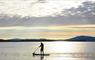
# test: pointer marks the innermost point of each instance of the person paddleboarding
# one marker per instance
(41, 51)
(41, 48)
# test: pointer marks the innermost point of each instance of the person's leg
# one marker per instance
(41, 52)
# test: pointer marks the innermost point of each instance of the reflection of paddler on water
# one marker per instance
(41, 50)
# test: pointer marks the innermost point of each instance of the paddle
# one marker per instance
(35, 50)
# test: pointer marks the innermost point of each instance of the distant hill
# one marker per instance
(82, 38)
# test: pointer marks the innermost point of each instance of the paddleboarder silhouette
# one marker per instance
(41, 48)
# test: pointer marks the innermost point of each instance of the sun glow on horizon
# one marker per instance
(49, 32)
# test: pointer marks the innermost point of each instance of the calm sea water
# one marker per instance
(57, 51)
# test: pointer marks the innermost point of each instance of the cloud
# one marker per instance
(83, 14)
(35, 8)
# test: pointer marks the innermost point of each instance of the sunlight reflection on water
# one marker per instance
(57, 50)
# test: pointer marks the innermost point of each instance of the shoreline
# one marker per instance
(40, 40)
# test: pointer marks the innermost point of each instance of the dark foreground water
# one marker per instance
(57, 51)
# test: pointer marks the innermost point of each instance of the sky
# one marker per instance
(46, 18)
(36, 8)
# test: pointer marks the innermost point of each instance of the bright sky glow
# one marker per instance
(36, 8)
(53, 32)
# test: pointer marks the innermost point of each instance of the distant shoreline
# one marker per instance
(39, 40)
(29, 40)
(74, 39)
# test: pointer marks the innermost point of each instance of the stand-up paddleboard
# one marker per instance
(35, 54)
(41, 50)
